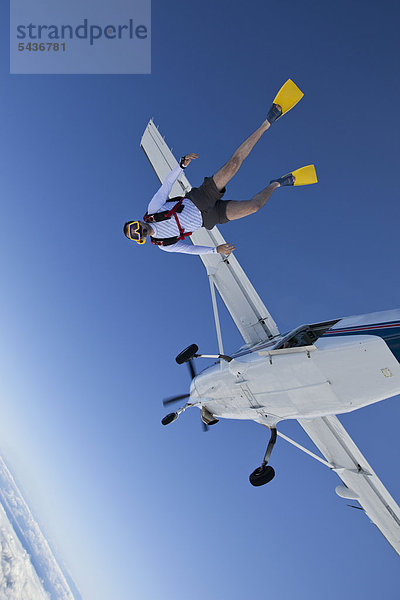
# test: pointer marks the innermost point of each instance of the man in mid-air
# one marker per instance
(168, 222)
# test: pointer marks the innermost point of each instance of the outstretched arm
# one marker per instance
(188, 248)
(162, 195)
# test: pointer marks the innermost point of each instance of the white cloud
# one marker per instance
(28, 568)
(18, 578)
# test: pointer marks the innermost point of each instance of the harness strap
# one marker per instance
(181, 229)
(173, 211)
(167, 241)
(167, 215)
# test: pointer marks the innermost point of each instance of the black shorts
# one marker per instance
(207, 199)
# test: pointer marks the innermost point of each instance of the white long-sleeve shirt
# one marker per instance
(190, 219)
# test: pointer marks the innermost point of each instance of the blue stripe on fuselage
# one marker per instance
(389, 331)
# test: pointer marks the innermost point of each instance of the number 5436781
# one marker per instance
(41, 47)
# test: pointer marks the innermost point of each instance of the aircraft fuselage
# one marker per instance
(336, 374)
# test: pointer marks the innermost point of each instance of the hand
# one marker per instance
(225, 249)
(188, 158)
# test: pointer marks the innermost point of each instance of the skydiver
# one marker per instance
(168, 222)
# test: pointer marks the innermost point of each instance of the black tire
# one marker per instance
(170, 418)
(262, 475)
(186, 354)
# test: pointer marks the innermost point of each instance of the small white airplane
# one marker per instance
(311, 374)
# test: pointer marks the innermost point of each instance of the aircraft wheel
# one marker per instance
(262, 475)
(170, 418)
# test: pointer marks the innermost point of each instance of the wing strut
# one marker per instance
(321, 460)
(216, 315)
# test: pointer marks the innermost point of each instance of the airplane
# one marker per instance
(310, 374)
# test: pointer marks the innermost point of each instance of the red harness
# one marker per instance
(155, 218)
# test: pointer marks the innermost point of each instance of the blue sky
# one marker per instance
(91, 324)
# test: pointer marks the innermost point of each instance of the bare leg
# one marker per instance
(237, 209)
(233, 165)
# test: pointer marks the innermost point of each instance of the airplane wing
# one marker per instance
(241, 299)
(360, 481)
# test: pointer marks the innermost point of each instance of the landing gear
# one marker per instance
(207, 417)
(265, 473)
(170, 418)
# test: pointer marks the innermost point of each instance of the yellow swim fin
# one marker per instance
(287, 97)
(303, 176)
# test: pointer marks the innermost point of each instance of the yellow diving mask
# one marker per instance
(134, 232)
